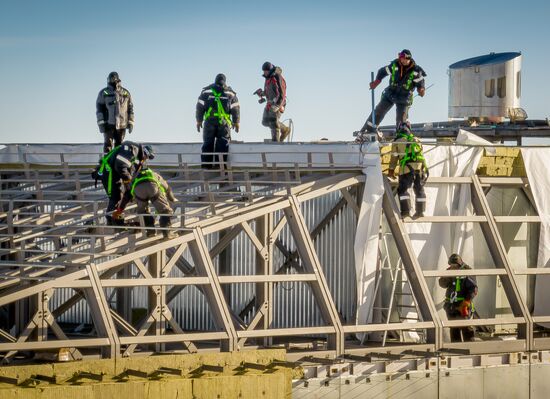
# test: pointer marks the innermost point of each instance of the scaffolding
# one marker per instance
(54, 238)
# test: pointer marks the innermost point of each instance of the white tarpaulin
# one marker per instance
(368, 233)
(432, 242)
(240, 154)
(536, 166)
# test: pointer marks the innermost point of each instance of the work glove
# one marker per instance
(374, 84)
(465, 308)
(170, 195)
(421, 91)
(101, 128)
(126, 184)
(118, 214)
(199, 126)
(391, 173)
(130, 128)
(236, 126)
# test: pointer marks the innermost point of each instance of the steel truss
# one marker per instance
(59, 209)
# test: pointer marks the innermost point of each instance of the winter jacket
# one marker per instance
(208, 105)
(114, 107)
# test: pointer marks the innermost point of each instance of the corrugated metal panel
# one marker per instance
(294, 304)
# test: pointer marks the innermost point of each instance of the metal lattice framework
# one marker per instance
(53, 238)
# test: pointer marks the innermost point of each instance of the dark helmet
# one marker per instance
(404, 128)
(267, 66)
(455, 259)
(148, 152)
(220, 79)
(113, 78)
(405, 54)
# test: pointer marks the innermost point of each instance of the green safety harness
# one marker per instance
(105, 166)
(221, 114)
(409, 81)
(455, 298)
(146, 175)
(413, 151)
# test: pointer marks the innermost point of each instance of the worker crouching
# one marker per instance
(150, 187)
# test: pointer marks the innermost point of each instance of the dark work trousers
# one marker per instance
(402, 101)
(458, 334)
(112, 138)
(114, 198)
(215, 138)
(271, 120)
(416, 180)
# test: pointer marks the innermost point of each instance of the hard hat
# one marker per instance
(148, 152)
(267, 66)
(113, 78)
(455, 259)
(405, 54)
(220, 79)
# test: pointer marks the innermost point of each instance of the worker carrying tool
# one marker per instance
(274, 95)
(406, 151)
(149, 186)
(459, 295)
(117, 169)
(405, 76)
(115, 112)
(218, 107)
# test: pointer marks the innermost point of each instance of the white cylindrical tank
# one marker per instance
(487, 87)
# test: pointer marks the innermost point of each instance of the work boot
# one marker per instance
(405, 206)
(420, 207)
(149, 221)
(165, 222)
(285, 131)
(275, 135)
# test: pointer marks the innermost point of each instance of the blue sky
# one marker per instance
(55, 57)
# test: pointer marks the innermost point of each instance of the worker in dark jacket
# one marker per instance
(116, 171)
(405, 77)
(149, 186)
(115, 112)
(406, 151)
(459, 295)
(274, 92)
(218, 107)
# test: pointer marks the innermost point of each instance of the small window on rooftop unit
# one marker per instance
(489, 88)
(501, 87)
(518, 84)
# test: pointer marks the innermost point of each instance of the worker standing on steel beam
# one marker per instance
(116, 171)
(274, 95)
(149, 186)
(115, 112)
(459, 295)
(406, 150)
(218, 106)
(405, 77)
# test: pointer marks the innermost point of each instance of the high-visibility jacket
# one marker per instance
(407, 152)
(217, 104)
(114, 107)
(403, 79)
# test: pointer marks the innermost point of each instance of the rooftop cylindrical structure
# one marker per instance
(487, 87)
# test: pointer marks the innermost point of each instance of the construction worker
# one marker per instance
(218, 106)
(274, 92)
(459, 295)
(406, 151)
(405, 76)
(116, 171)
(115, 112)
(148, 186)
